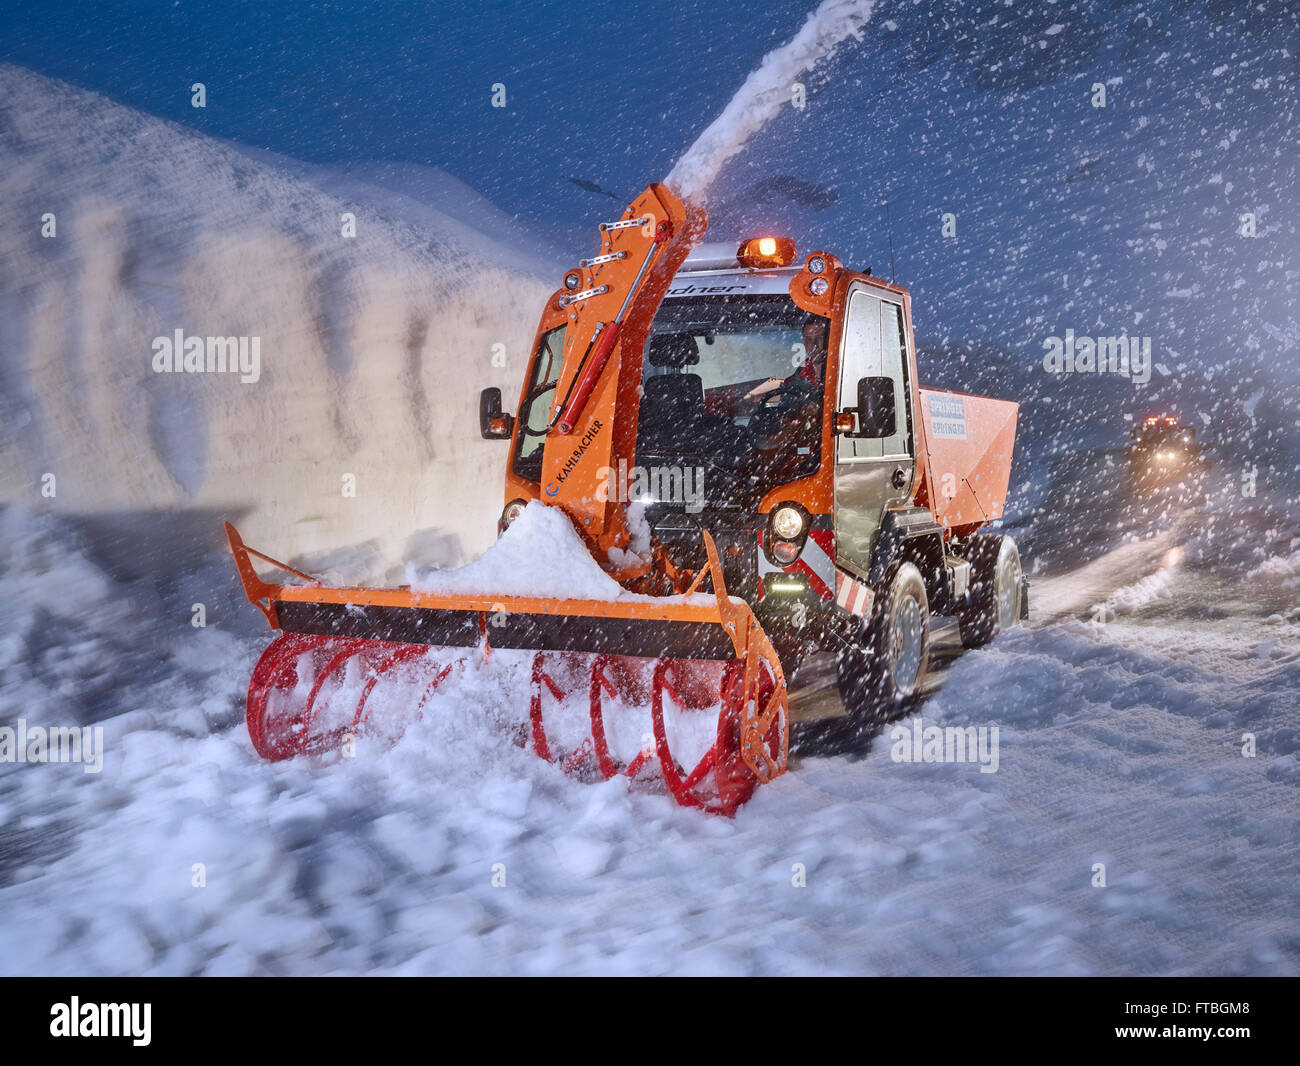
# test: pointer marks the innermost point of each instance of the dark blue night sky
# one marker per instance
(592, 92)
(1067, 215)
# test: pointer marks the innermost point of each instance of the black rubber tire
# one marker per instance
(994, 564)
(866, 670)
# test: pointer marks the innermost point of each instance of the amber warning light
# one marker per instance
(767, 252)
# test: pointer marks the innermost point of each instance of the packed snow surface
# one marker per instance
(458, 852)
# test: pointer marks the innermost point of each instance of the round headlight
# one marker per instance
(572, 280)
(787, 523)
(816, 264)
(818, 286)
(512, 511)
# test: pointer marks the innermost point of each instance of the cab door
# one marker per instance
(871, 474)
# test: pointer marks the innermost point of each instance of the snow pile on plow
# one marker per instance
(540, 554)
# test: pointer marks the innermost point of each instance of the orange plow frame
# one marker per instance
(753, 733)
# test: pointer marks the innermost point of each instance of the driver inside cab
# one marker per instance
(789, 414)
(812, 369)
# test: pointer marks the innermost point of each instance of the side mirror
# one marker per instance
(876, 414)
(492, 423)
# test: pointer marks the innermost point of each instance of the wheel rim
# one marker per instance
(906, 639)
(1008, 591)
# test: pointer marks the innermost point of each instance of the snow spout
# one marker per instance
(765, 92)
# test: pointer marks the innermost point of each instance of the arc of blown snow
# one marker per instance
(765, 92)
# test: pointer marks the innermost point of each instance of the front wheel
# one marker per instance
(881, 673)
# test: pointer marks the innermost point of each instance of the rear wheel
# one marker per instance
(882, 672)
(993, 600)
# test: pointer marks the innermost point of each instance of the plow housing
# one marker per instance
(667, 660)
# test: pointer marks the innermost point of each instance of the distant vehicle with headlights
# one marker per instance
(1163, 450)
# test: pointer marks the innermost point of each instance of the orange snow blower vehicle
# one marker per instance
(742, 456)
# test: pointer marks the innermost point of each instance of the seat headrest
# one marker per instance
(674, 390)
(674, 350)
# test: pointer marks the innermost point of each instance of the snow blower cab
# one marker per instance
(721, 466)
(776, 407)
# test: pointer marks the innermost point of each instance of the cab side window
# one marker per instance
(894, 365)
(861, 358)
(535, 411)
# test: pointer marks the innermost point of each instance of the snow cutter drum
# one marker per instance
(694, 698)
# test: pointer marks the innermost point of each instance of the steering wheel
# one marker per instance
(791, 391)
(777, 407)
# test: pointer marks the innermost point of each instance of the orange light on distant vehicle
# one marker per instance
(767, 252)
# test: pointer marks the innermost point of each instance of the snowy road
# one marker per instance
(1120, 744)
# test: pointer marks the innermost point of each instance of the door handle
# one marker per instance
(900, 478)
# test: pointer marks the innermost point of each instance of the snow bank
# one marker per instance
(1281, 568)
(362, 423)
(1236, 536)
(765, 92)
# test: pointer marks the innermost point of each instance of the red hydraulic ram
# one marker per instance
(606, 338)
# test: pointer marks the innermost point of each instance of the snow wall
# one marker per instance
(361, 427)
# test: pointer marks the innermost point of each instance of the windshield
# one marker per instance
(733, 386)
